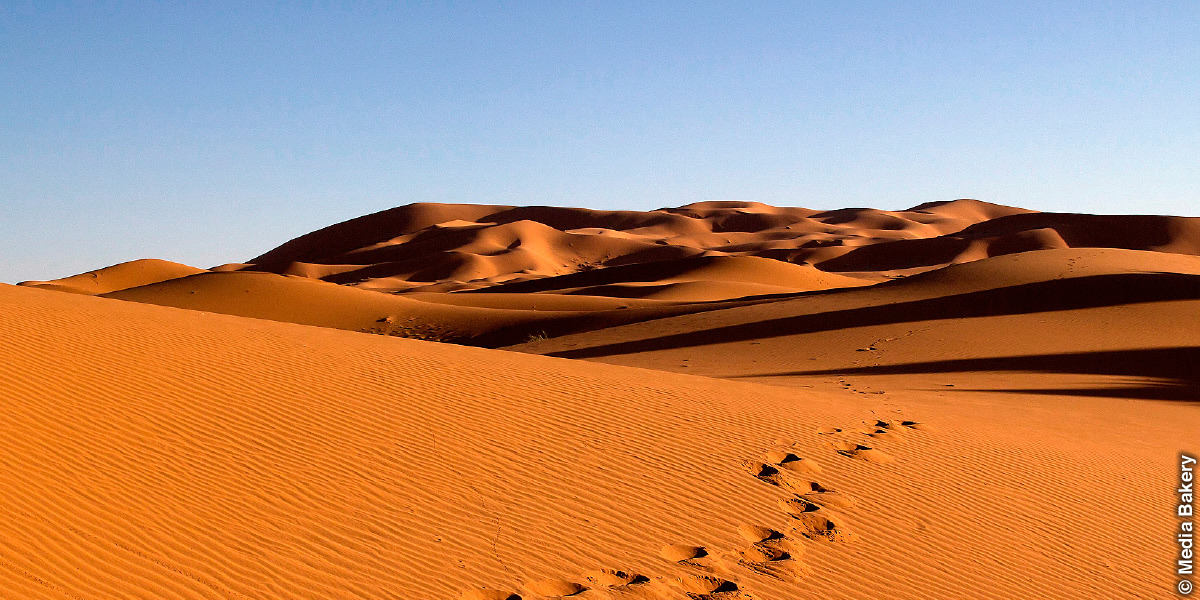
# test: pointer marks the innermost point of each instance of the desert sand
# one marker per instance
(717, 401)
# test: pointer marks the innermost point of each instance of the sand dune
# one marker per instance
(481, 246)
(117, 277)
(185, 454)
(1042, 303)
(696, 254)
(725, 400)
(694, 279)
(1024, 233)
(478, 319)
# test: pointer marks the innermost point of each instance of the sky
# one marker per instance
(206, 133)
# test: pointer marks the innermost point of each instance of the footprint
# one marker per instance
(876, 431)
(791, 462)
(812, 520)
(761, 469)
(488, 594)
(793, 548)
(820, 495)
(785, 567)
(808, 486)
(795, 483)
(765, 537)
(705, 584)
(682, 552)
(761, 553)
(821, 525)
(765, 472)
(897, 426)
(797, 505)
(613, 578)
(880, 427)
(771, 553)
(554, 587)
(862, 452)
(757, 533)
(807, 489)
(831, 499)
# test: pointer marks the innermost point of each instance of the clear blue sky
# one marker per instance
(208, 134)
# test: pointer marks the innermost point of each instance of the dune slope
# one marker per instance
(476, 319)
(118, 277)
(152, 451)
(654, 263)
(1036, 311)
(1058, 365)
(720, 401)
(156, 452)
(442, 247)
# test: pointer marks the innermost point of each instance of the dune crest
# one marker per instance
(478, 246)
(479, 274)
(176, 453)
(117, 277)
(720, 401)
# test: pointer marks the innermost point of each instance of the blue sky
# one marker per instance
(206, 134)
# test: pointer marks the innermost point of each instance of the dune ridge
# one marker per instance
(158, 452)
(1093, 300)
(721, 401)
(482, 274)
(118, 277)
(466, 246)
(477, 319)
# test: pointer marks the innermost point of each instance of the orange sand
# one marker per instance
(738, 402)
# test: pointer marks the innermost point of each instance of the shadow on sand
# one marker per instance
(1169, 373)
(1046, 296)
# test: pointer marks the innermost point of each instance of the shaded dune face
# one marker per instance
(468, 246)
(502, 275)
(152, 452)
(959, 400)
(695, 253)
(1078, 322)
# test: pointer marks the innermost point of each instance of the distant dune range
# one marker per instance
(722, 401)
(522, 272)
(473, 246)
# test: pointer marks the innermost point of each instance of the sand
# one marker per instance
(960, 400)
(118, 277)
